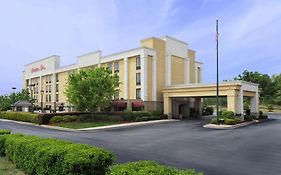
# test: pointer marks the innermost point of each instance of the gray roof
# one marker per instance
(22, 103)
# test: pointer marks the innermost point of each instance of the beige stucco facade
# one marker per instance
(158, 63)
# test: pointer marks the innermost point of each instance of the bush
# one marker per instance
(263, 117)
(4, 131)
(64, 119)
(214, 120)
(248, 112)
(36, 155)
(46, 117)
(147, 118)
(248, 117)
(133, 115)
(21, 116)
(230, 121)
(148, 167)
(157, 113)
(227, 114)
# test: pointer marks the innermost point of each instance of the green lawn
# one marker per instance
(79, 125)
(8, 168)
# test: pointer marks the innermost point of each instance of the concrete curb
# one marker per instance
(125, 125)
(214, 126)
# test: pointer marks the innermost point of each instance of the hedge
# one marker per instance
(4, 131)
(227, 114)
(248, 117)
(40, 156)
(230, 121)
(64, 119)
(21, 116)
(148, 167)
(133, 115)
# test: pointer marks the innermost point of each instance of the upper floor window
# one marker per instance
(57, 97)
(138, 63)
(138, 93)
(109, 67)
(138, 79)
(116, 67)
(57, 77)
(57, 88)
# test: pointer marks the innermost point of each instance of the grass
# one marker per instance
(8, 168)
(79, 125)
(275, 108)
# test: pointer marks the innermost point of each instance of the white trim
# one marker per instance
(154, 77)
(125, 78)
(53, 84)
(168, 70)
(143, 58)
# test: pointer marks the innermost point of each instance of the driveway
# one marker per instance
(255, 149)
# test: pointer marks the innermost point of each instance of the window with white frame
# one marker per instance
(138, 63)
(109, 67)
(138, 93)
(116, 66)
(138, 79)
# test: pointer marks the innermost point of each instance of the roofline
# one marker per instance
(166, 36)
(89, 53)
(42, 59)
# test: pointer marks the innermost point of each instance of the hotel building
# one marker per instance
(145, 74)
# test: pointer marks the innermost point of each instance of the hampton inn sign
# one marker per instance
(37, 69)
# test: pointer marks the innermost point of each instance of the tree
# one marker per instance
(91, 89)
(6, 101)
(277, 88)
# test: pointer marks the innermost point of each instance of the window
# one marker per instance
(116, 95)
(109, 67)
(138, 78)
(138, 93)
(50, 78)
(57, 97)
(47, 98)
(138, 63)
(50, 87)
(47, 89)
(50, 98)
(57, 88)
(116, 67)
(57, 77)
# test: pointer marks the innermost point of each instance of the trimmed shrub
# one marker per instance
(157, 113)
(37, 155)
(133, 115)
(4, 131)
(21, 116)
(214, 120)
(227, 114)
(164, 116)
(263, 117)
(248, 117)
(147, 118)
(148, 167)
(64, 119)
(248, 112)
(230, 121)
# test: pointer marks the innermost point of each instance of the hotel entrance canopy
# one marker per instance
(234, 91)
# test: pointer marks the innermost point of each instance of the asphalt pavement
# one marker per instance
(254, 149)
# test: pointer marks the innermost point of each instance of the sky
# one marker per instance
(249, 32)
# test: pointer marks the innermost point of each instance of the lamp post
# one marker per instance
(14, 94)
(42, 91)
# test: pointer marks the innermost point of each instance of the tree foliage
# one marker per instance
(7, 100)
(90, 89)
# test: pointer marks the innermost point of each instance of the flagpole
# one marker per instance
(217, 98)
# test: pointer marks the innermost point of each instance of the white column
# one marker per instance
(143, 58)
(53, 100)
(154, 78)
(40, 89)
(239, 104)
(254, 103)
(187, 68)
(125, 78)
(168, 70)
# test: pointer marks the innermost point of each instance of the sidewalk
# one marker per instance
(125, 125)
(214, 126)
